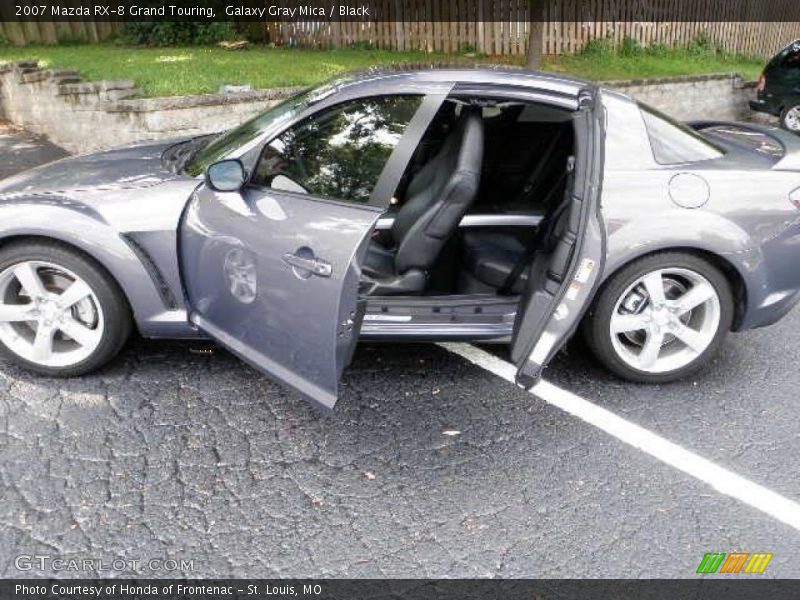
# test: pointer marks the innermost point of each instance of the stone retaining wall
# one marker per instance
(85, 116)
(694, 97)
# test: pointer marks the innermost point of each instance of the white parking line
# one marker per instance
(721, 479)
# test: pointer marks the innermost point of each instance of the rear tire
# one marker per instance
(37, 316)
(646, 336)
(790, 118)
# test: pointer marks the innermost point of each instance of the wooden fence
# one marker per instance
(41, 32)
(500, 27)
(511, 37)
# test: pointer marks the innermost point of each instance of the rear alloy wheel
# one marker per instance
(60, 313)
(790, 118)
(661, 318)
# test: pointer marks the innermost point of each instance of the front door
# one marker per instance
(272, 272)
(564, 276)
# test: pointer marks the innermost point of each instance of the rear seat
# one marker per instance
(491, 257)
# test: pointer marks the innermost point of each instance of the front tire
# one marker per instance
(661, 318)
(61, 314)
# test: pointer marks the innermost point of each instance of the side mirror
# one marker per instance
(226, 175)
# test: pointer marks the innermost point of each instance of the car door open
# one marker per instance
(567, 259)
(272, 271)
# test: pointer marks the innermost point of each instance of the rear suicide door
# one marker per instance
(562, 282)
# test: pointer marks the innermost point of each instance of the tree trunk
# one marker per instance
(536, 34)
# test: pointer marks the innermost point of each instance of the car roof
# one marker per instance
(460, 74)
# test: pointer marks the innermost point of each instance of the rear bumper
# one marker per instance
(765, 106)
(772, 279)
(770, 313)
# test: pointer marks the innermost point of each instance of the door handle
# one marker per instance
(315, 266)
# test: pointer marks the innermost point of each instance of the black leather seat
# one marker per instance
(489, 260)
(438, 196)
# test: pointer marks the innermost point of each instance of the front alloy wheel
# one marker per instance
(48, 315)
(60, 313)
(661, 318)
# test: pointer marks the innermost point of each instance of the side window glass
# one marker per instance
(674, 143)
(339, 153)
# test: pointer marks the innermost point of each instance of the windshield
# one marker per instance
(227, 142)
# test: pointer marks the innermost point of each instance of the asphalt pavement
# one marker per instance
(21, 150)
(429, 467)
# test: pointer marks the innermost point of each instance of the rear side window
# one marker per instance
(673, 143)
(792, 59)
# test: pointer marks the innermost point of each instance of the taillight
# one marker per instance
(762, 83)
(794, 197)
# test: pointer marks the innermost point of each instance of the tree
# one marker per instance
(537, 16)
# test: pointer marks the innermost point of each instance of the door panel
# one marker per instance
(563, 278)
(272, 272)
(274, 277)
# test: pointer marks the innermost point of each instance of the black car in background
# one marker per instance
(779, 87)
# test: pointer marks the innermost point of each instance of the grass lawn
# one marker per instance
(194, 70)
(608, 66)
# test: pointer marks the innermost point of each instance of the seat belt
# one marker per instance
(532, 182)
(550, 219)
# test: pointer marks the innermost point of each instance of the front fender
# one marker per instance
(79, 225)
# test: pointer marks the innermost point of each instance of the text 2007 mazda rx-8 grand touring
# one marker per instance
(492, 205)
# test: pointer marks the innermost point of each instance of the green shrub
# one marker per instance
(702, 45)
(658, 49)
(169, 33)
(470, 50)
(630, 47)
(68, 39)
(598, 46)
(362, 45)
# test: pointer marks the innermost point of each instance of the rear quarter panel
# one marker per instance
(747, 220)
